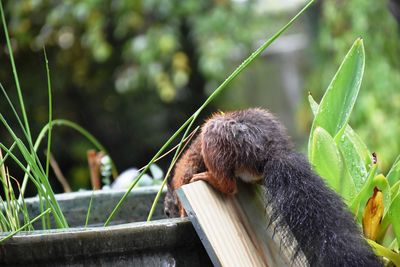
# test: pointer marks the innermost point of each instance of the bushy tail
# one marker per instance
(319, 220)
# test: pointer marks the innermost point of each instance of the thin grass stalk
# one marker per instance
(19, 163)
(46, 218)
(22, 206)
(50, 112)
(76, 127)
(15, 204)
(3, 176)
(174, 159)
(24, 226)
(26, 214)
(89, 209)
(3, 159)
(174, 148)
(177, 147)
(119, 204)
(14, 70)
(4, 224)
(14, 110)
(12, 204)
(42, 209)
(217, 91)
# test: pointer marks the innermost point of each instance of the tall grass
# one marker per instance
(29, 161)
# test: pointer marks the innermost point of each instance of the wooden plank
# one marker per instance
(234, 229)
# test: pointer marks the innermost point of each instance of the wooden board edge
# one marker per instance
(203, 237)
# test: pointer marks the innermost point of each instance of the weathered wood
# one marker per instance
(234, 229)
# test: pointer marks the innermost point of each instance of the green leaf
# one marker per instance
(393, 175)
(337, 103)
(365, 193)
(386, 220)
(329, 164)
(382, 184)
(313, 104)
(394, 189)
(385, 252)
(355, 153)
(394, 212)
(356, 156)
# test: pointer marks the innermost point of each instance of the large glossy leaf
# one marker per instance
(393, 175)
(329, 164)
(338, 101)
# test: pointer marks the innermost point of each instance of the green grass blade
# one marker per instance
(50, 112)
(338, 101)
(19, 163)
(74, 126)
(24, 226)
(121, 201)
(174, 159)
(78, 128)
(14, 70)
(14, 110)
(89, 209)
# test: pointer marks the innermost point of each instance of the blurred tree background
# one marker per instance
(131, 72)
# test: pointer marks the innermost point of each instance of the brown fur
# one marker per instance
(253, 146)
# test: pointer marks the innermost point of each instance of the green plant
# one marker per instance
(30, 163)
(338, 22)
(339, 155)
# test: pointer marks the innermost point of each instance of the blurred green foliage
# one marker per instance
(376, 115)
(146, 37)
(128, 71)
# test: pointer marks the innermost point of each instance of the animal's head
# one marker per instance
(171, 204)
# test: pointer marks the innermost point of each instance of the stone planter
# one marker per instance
(165, 242)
